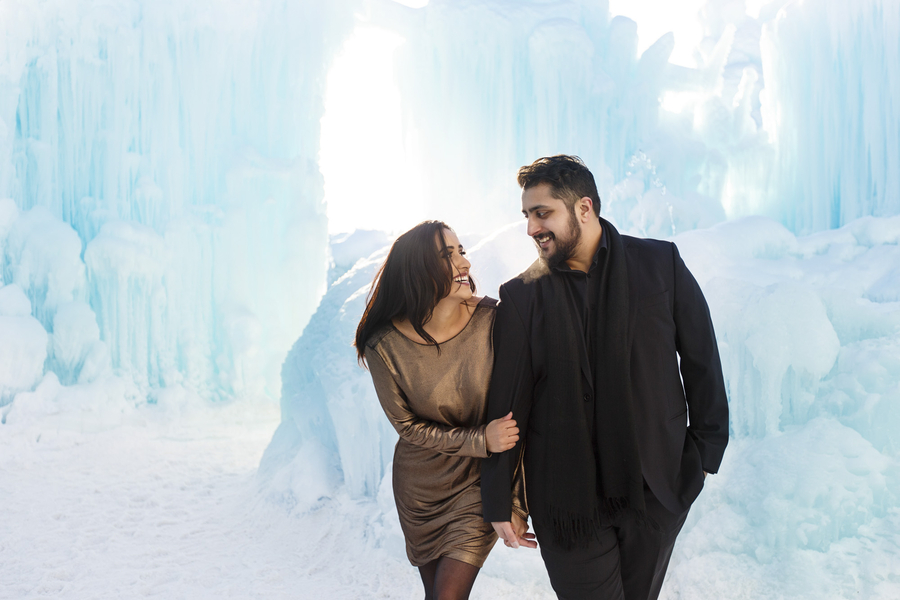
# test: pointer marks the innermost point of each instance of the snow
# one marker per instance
(177, 511)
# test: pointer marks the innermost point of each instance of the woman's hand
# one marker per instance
(501, 434)
(515, 533)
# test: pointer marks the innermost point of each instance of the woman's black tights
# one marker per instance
(447, 579)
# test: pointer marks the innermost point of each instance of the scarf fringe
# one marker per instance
(575, 530)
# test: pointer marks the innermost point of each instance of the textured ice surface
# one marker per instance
(161, 160)
(832, 78)
(158, 160)
(23, 346)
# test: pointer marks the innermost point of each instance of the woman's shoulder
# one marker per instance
(484, 308)
(485, 311)
(380, 334)
(488, 302)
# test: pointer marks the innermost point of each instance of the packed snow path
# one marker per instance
(175, 510)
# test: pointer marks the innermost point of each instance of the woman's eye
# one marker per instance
(462, 252)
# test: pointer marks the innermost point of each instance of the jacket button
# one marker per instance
(587, 397)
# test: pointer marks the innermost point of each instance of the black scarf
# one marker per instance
(590, 487)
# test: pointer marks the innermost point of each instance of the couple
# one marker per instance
(599, 354)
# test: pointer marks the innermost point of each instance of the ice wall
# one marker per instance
(832, 112)
(790, 113)
(162, 157)
(490, 85)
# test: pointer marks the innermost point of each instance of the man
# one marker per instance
(587, 344)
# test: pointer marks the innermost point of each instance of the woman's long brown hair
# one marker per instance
(415, 276)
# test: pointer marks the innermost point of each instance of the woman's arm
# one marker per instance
(461, 441)
(519, 498)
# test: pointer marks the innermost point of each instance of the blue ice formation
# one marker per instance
(502, 82)
(832, 81)
(162, 160)
(161, 157)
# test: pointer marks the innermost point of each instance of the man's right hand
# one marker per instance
(515, 533)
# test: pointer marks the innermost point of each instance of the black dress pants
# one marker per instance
(628, 562)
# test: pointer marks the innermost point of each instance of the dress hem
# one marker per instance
(470, 558)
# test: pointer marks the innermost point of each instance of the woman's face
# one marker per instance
(460, 288)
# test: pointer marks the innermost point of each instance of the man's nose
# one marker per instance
(533, 228)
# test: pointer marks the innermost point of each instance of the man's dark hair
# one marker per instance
(567, 176)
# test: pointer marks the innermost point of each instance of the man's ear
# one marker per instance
(585, 209)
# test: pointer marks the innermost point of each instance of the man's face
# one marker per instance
(551, 224)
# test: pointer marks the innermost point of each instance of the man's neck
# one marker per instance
(587, 248)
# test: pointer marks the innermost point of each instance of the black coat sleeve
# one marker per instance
(512, 388)
(701, 368)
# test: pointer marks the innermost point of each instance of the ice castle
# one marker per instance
(163, 225)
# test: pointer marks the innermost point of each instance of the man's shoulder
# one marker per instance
(648, 250)
(632, 243)
(523, 283)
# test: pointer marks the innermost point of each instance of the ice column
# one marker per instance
(176, 144)
(832, 86)
(493, 85)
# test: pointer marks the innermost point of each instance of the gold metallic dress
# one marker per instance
(437, 403)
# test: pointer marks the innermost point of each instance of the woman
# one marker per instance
(427, 340)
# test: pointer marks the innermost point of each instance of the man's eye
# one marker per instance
(541, 215)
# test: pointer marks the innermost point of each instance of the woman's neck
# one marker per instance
(448, 318)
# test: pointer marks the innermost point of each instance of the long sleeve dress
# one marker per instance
(437, 403)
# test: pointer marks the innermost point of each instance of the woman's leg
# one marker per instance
(427, 572)
(453, 579)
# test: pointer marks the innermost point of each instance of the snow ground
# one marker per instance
(155, 507)
(173, 508)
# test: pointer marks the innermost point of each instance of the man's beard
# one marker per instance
(565, 247)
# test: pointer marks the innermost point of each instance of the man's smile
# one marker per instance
(543, 239)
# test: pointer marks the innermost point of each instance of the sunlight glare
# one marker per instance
(655, 18)
(371, 181)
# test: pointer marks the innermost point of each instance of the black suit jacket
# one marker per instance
(668, 319)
